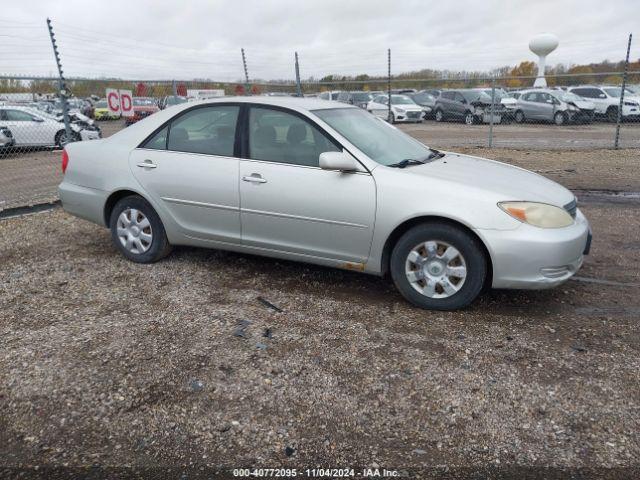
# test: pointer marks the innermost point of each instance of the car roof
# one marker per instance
(304, 103)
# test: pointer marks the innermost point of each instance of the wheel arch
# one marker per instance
(114, 198)
(405, 226)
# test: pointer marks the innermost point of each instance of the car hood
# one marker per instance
(409, 108)
(584, 104)
(506, 182)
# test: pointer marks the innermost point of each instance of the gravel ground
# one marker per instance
(107, 363)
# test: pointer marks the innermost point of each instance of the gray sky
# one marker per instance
(147, 39)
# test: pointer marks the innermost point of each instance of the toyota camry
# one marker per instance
(325, 183)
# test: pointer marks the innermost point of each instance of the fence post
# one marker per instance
(493, 96)
(246, 73)
(389, 83)
(62, 85)
(624, 84)
(174, 89)
(298, 86)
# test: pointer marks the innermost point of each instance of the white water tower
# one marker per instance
(542, 45)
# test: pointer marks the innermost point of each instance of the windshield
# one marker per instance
(567, 96)
(175, 100)
(474, 95)
(381, 142)
(615, 91)
(401, 100)
(361, 97)
(144, 102)
(101, 104)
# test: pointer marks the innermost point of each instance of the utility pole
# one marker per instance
(624, 84)
(389, 82)
(246, 72)
(62, 85)
(298, 86)
(493, 99)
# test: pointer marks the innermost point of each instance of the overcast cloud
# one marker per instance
(146, 39)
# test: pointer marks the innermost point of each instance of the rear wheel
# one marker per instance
(439, 115)
(438, 266)
(137, 231)
(519, 117)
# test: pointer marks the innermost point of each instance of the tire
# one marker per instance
(439, 115)
(612, 114)
(157, 248)
(443, 236)
(469, 118)
(391, 118)
(559, 118)
(519, 117)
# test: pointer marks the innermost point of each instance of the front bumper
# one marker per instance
(412, 116)
(90, 134)
(537, 258)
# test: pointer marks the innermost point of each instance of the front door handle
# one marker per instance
(254, 178)
(147, 164)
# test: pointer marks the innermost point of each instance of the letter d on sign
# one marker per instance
(126, 103)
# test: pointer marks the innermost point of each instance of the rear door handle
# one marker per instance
(254, 178)
(147, 164)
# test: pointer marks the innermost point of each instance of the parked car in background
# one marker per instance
(32, 127)
(357, 98)
(557, 106)
(403, 109)
(142, 108)
(402, 91)
(426, 100)
(506, 99)
(171, 100)
(606, 100)
(329, 95)
(469, 106)
(101, 111)
(6, 139)
(443, 225)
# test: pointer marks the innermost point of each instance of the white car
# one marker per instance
(35, 128)
(329, 95)
(319, 182)
(403, 108)
(607, 101)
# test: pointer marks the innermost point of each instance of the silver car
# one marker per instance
(325, 183)
(555, 106)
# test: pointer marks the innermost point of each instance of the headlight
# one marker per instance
(399, 110)
(631, 104)
(427, 109)
(540, 215)
(571, 107)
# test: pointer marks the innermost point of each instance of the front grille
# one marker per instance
(571, 207)
(413, 114)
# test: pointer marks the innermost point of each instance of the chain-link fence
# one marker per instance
(575, 111)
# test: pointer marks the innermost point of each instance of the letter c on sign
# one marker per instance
(113, 100)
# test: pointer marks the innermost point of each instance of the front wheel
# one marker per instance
(391, 118)
(560, 118)
(61, 138)
(612, 114)
(519, 117)
(439, 116)
(469, 118)
(137, 231)
(438, 266)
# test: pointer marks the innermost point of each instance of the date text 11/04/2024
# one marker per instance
(316, 472)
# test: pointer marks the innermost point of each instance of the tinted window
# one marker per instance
(334, 96)
(448, 95)
(209, 130)
(529, 97)
(158, 141)
(277, 136)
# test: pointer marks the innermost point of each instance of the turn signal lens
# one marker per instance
(65, 161)
(540, 215)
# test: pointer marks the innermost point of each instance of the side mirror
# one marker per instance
(338, 161)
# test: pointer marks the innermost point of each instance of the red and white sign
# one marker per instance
(120, 102)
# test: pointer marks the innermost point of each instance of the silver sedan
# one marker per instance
(317, 182)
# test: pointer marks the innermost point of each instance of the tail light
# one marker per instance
(65, 161)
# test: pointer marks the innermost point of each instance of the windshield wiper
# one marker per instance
(406, 162)
(434, 154)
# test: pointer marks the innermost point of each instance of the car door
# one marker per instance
(289, 204)
(190, 167)
(459, 105)
(527, 105)
(546, 106)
